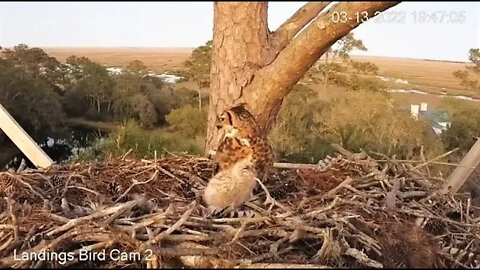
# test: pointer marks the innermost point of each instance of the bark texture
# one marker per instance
(253, 65)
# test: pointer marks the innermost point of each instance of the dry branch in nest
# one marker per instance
(352, 212)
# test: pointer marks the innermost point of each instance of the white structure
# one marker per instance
(423, 107)
(414, 110)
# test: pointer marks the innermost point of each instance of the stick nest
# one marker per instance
(349, 212)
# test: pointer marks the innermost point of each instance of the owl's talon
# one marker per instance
(220, 212)
(228, 210)
(268, 199)
(254, 198)
(271, 201)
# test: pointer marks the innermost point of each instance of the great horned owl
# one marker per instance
(231, 187)
(240, 125)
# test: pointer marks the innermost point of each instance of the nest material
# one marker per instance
(351, 212)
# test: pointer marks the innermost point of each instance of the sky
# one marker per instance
(190, 24)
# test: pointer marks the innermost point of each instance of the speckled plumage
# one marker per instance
(231, 187)
(239, 124)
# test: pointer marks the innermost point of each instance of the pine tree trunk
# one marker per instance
(253, 65)
(199, 99)
(326, 74)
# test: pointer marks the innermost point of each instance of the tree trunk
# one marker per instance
(253, 65)
(326, 73)
(199, 99)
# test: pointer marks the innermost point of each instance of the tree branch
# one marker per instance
(273, 82)
(295, 24)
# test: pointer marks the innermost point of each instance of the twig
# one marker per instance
(270, 255)
(75, 222)
(56, 217)
(237, 234)
(437, 158)
(334, 191)
(360, 256)
(117, 214)
(411, 212)
(170, 174)
(372, 242)
(236, 220)
(422, 156)
(126, 154)
(274, 247)
(26, 184)
(451, 258)
(6, 244)
(13, 217)
(174, 227)
(151, 220)
(85, 189)
(191, 176)
(277, 232)
(154, 176)
(256, 208)
(341, 150)
(171, 252)
(327, 244)
(7, 226)
(391, 196)
(410, 194)
(326, 208)
(179, 237)
(28, 237)
(419, 161)
(280, 165)
(364, 195)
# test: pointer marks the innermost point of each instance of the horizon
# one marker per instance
(187, 25)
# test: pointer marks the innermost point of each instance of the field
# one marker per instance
(158, 59)
(428, 74)
(425, 75)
